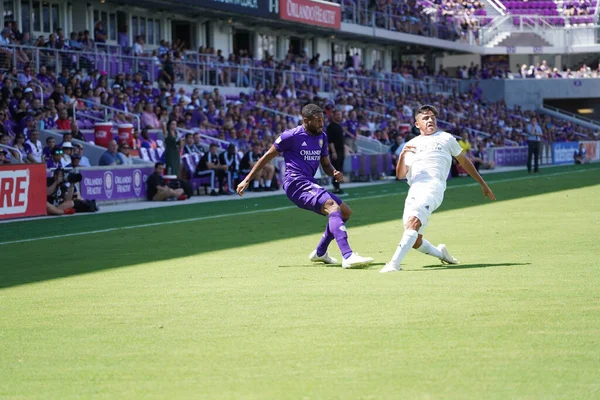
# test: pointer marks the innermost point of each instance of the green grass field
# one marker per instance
(227, 306)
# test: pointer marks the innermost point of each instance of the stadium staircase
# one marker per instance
(523, 39)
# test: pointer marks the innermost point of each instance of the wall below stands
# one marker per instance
(530, 93)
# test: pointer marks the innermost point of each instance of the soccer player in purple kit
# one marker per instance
(304, 148)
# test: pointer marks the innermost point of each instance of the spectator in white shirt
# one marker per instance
(138, 46)
(123, 155)
(78, 151)
(34, 147)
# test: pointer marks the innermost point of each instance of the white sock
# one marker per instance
(428, 248)
(255, 183)
(268, 183)
(406, 243)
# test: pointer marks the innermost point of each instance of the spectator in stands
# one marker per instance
(75, 162)
(147, 142)
(59, 199)
(351, 130)
(83, 160)
(34, 147)
(110, 155)
(167, 73)
(57, 160)
(138, 46)
(209, 165)
(19, 144)
(76, 133)
(99, 33)
(5, 141)
(150, 119)
(67, 148)
(172, 149)
(64, 122)
(231, 159)
(3, 159)
(157, 190)
(396, 148)
(335, 137)
(266, 174)
(123, 154)
(464, 142)
(478, 156)
(47, 151)
(189, 147)
(198, 144)
(580, 155)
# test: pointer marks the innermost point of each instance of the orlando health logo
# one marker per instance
(137, 182)
(108, 184)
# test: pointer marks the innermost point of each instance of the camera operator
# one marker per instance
(63, 188)
(59, 198)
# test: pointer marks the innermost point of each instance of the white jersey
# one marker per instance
(430, 163)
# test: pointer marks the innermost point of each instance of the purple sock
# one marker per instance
(338, 229)
(324, 243)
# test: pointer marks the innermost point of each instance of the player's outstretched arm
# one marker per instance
(472, 171)
(330, 170)
(260, 164)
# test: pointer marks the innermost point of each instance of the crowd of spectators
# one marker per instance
(249, 121)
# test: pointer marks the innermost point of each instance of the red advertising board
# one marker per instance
(22, 190)
(312, 12)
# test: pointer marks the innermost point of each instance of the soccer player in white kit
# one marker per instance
(425, 161)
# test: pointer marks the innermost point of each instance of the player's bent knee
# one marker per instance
(413, 224)
(330, 206)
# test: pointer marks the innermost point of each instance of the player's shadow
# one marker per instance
(321, 265)
(467, 266)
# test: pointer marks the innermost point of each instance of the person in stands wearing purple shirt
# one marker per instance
(304, 148)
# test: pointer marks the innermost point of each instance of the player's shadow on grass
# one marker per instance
(435, 267)
(321, 265)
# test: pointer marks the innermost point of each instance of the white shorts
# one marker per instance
(420, 202)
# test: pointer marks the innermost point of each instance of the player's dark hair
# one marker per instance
(427, 108)
(158, 164)
(311, 110)
(213, 145)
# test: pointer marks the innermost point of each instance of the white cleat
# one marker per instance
(356, 261)
(325, 259)
(389, 267)
(447, 258)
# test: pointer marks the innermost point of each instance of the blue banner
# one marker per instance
(562, 152)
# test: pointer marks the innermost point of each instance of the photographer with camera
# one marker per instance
(59, 198)
(63, 194)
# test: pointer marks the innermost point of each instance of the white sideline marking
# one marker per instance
(492, 182)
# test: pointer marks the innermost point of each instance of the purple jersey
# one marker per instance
(302, 153)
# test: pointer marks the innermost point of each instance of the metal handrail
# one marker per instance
(224, 143)
(105, 109)
(572, 115)
(15, 149)
(276, 111)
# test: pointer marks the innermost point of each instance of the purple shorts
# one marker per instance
(308, 195)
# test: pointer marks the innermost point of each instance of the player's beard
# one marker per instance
(313, 132)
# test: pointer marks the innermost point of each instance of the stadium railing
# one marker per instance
(368, 145)
(105, 111)
(20, 161)
(205, 70)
